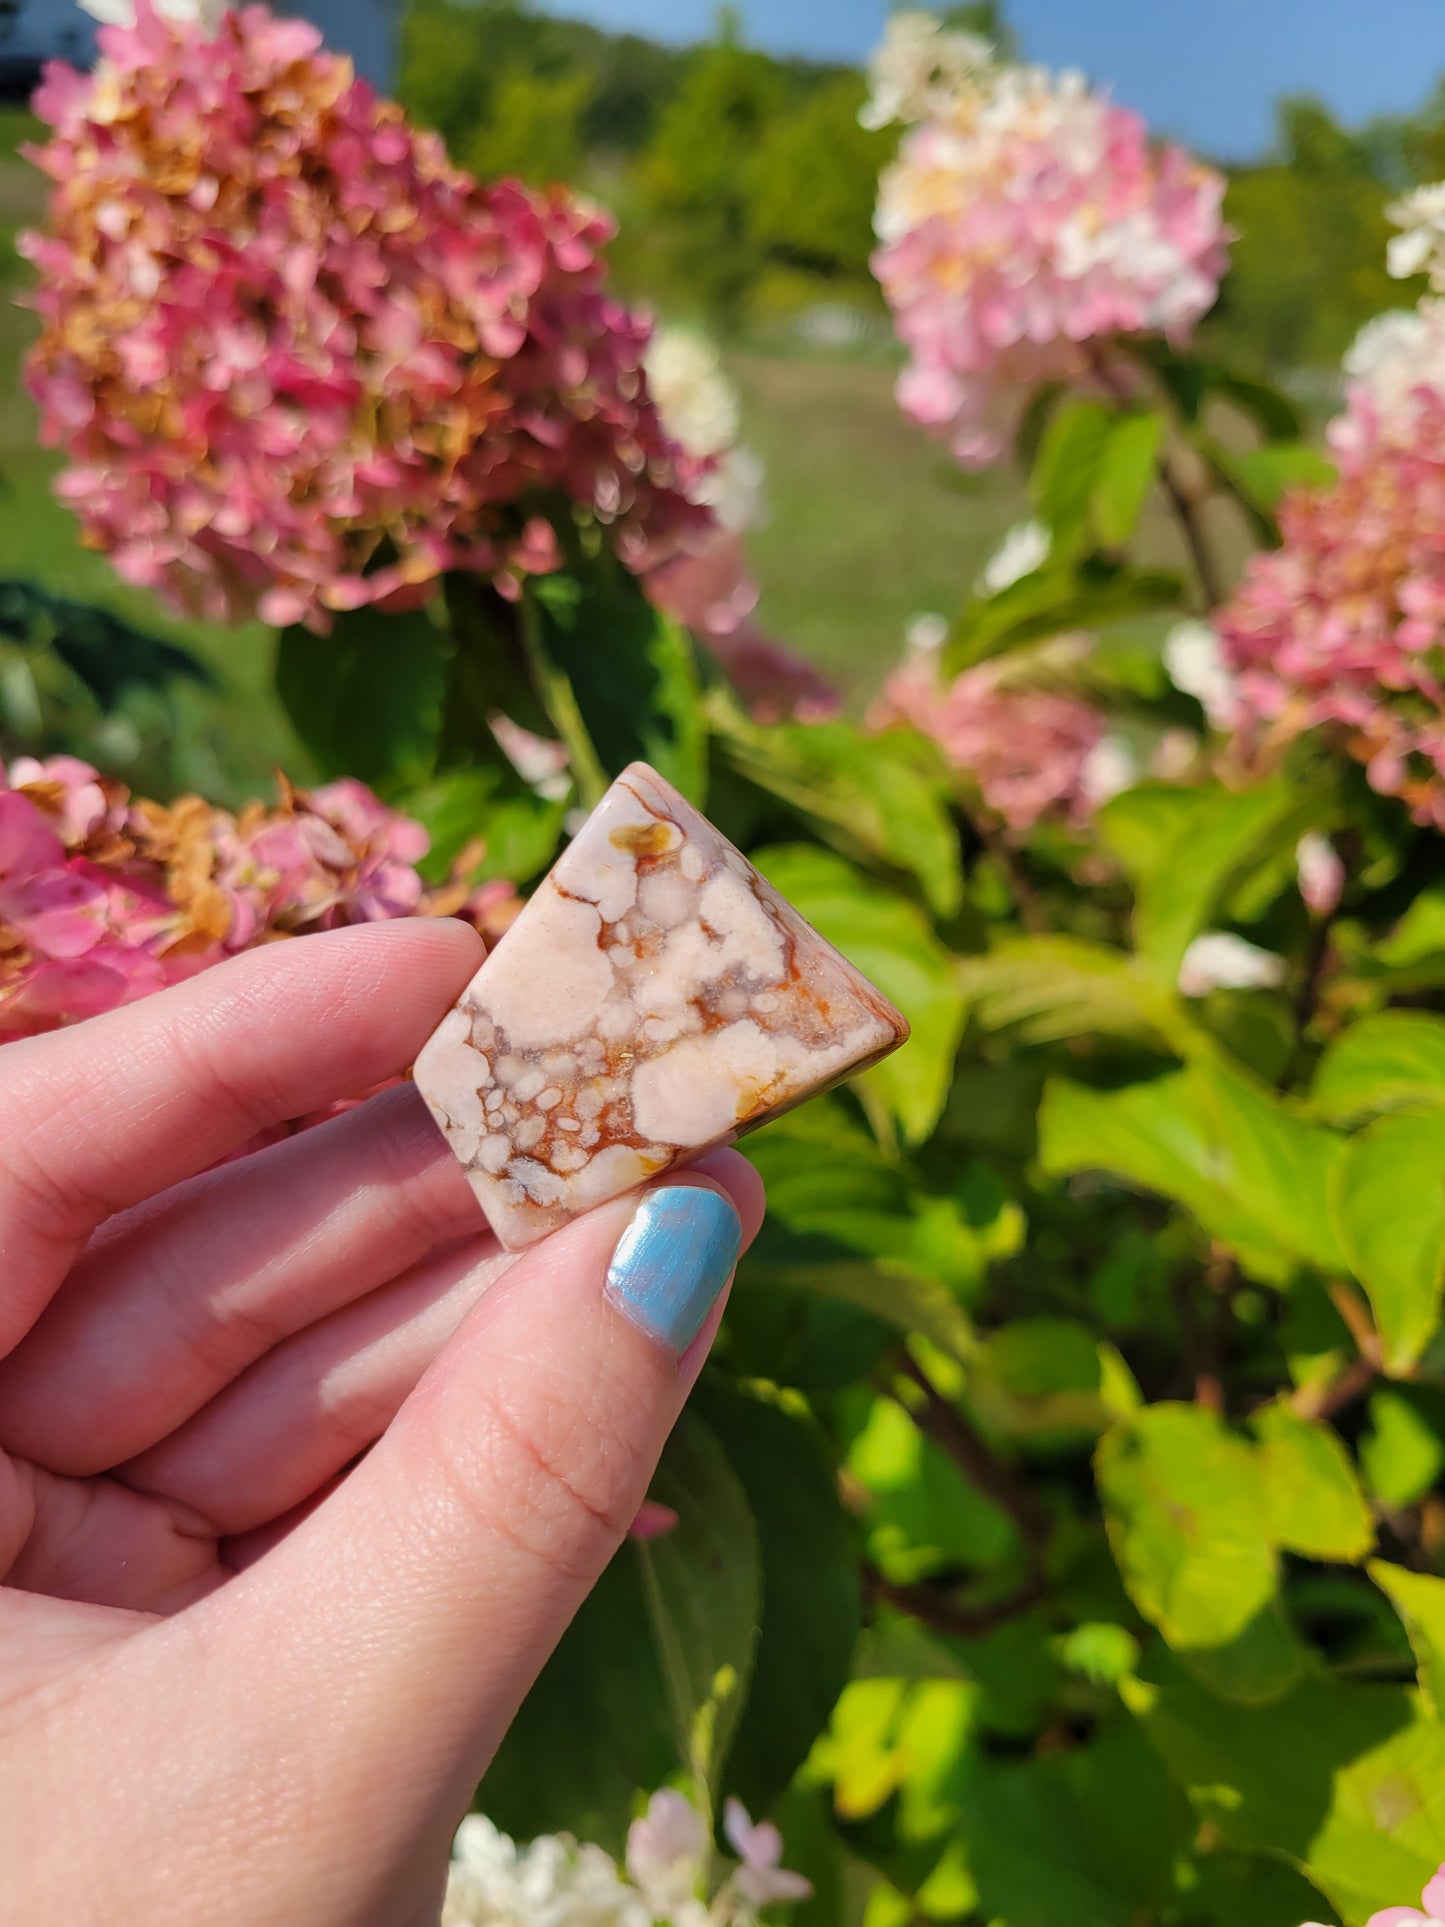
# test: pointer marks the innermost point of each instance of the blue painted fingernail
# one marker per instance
(673, 1261)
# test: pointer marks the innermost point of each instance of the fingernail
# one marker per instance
(673, 1261)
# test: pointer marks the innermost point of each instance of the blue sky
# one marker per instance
(1204, 70)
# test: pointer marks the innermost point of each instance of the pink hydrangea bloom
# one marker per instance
(1025, 218)
(761, 1879)
(1341, 629)
(105, 898)
(1028, 750)
(298, 362)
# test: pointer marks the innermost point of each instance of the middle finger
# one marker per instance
(179, 1297)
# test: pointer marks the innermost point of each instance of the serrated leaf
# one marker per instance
(1223, 836)
(1345, 1781)
(892, 943)
(1315, 1503)
(1387, 1200)
(1188, 1520)
(1253, 1172)
(1053, 987)
(367, 699)
(1054, 602)
(876, 799)
(1419, 1598)
(703, 1587)
(1392, 1061)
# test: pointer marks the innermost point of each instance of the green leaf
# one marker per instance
(1125, 477)
(490, 804)
(1188, 1519)
(1387, 1200)
(703, 1587)
(1259, 1665)
(810, 1602)
(1070, 459)
(1402, 1454)
(1315, 1502)
(1040, 1379)
(893, 944)
(1419, 1598)
(1420, 933)
(1054, 987)
(367, 699)
(1223, 836)
(1392, 1061)
(1345, 1781)
(595, 1727)
(1269, 472)
(876, 799)
(1055, 601)
(631, 671)
(1141, 824)
(1253, 1173)
(921, 1515)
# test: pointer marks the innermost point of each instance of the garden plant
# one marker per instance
(1055, 1535)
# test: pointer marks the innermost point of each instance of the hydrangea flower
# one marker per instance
(1420, 247)
(1024, 218)
(1340, 629)
(105, 897)
(298, 362)
(1031, 752)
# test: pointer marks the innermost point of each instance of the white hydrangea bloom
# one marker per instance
(1196, 665)
(554, 1882)
(207, 14)
(1420, 246)
(1219, 960)
(1321, 873)
(1396, 355)
(1025, 548)
(699, 409)
(926, 633)
(917, 67)
(1110, 767)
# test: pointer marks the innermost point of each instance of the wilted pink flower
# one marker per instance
(1025, 218)
(298, 362)
(1430, 1913)
(1340, 629)
(105, 898)
(1029, 750)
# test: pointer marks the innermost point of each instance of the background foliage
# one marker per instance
(1058, 1526)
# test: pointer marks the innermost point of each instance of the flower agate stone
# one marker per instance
(654, 1000)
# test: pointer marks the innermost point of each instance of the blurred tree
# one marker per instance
(533, 129)
(699, 173)
(815, 180)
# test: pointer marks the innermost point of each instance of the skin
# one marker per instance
(301, 1478)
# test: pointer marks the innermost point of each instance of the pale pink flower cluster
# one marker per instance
(106, 897)
(299, 363)
(1343, 628)
(1031, 752)
(1024, 219)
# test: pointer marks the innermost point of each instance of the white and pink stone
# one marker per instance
(656, 999)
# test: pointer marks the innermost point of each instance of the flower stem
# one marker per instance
(559, 699)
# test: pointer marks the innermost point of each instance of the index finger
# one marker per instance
(97, 1118)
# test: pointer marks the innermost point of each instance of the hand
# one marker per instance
(301, 1477)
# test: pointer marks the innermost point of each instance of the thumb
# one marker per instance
(398, 1629)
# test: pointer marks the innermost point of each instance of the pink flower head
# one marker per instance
(1025, 218)
(297, 361)
(1027, 749)
(761, 1879)
(1430, 1913)
(1340, 630)
(667, 1851)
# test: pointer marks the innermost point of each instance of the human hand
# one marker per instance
(247, 1674)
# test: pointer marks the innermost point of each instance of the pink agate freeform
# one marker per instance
(656, 999)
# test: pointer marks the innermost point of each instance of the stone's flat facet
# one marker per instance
(656, 999)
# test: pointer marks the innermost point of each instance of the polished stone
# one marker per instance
(656, 999)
